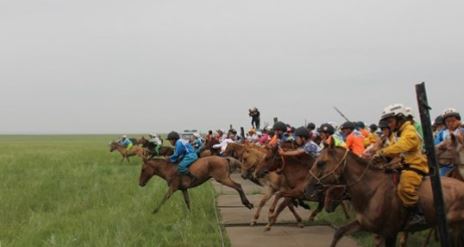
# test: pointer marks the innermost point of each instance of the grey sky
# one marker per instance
(100, 66)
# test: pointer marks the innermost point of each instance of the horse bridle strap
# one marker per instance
(342, 161)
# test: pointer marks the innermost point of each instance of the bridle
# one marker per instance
(342, 164)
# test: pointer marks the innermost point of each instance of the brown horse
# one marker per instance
(295, 173)
(251, 155)
(203, 169)
(153, 150)
(373, 196)
(208, 149)
(135, 150)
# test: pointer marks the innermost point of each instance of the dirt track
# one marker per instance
(236, 219)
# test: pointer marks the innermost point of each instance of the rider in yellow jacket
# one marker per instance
(409, 146)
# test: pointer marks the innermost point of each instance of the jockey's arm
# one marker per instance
(297, 152)
(177, 152)
(405, 143)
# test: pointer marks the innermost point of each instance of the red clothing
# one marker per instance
(355, 143)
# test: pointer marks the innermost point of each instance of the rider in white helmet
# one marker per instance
(154, 138)
(452, 121)
(414, 163)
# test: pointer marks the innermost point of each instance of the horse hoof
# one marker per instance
(300, 225)
(253, 223)
(267, 228)
(250, 206)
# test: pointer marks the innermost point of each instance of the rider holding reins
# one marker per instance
(414, 162)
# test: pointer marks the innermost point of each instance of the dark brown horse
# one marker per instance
(208, 149)
(125, 153)
(373, 196)
(203, 169)
(153, 150)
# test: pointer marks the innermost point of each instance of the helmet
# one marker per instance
(439, 120)
(373, 127)
(280, 126)
(124, 136)
(451, 112)
(383, 124)
(311, 126)
(197, 135)
(302, 132)
(408, 112)
(360, 125)
(233, 131)
(333, 124)
(173, 136)
(348, 125)
(327, 128)
(394, 110)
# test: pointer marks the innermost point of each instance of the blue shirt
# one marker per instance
(444, 134)
(126, 142)
(182, 148)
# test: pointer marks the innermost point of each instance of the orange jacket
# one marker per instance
(355, 143)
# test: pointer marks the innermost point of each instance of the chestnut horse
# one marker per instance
(203, 169)
(135, 150)
(251, 155)
(373, 196)
(295, 173)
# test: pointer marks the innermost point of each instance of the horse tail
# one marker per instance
(234, 164)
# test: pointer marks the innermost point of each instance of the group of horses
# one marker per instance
(335, 178)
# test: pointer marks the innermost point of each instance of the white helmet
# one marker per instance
(124, 136)
(408, 112)
(197, 135)
(451, 112)
(393, 111)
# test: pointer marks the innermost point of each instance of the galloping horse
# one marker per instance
(373, 196)
(203, 169)
(135, 150)
(251, 155)
(295, 173)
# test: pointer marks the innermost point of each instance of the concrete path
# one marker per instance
(236, 220)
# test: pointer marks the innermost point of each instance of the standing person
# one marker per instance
(452, 120)
(354, 139)
(255, 117)
(183, 153)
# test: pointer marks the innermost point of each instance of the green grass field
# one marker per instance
(71, 191)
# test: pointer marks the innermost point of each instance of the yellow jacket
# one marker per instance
(409, 146)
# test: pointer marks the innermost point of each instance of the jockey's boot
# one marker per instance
(416, 218)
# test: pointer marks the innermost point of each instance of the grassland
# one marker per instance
(70, 191)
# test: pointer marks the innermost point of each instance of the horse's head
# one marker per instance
(147, 172)
(142, 141)
(271, 162)
(327, 169)
(450, 151)
(113, 146)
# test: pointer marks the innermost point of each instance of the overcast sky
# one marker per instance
(101, 66)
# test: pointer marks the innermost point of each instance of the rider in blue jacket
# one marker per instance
(184, 154)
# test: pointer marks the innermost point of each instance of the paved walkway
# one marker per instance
(236, 219)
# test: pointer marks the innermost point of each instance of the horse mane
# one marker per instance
(363, 162)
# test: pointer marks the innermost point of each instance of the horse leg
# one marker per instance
(345, 210)
(273, 217)
(186, 198)
(230, 183)
(168, 195)
(266, 197)
(429, 236)
(346, 229)
(298, 218)
(319, 208)
(404, 239)
(274, 203)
